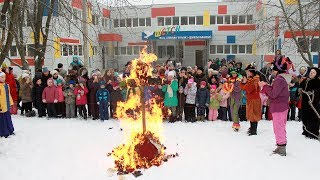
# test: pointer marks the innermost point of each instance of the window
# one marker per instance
(234, 19)
(234, 49)
(227, 19)
(199, 20)
(129, 50)
(30, 48)
(242, 19)
(123, 50)
(249, 49)
(175, 21)
(116, 23)
(148, 21)
(94, 50)
(219, 19)
(170, 52)
(212, 49)
(142, 22)
(70, 50)
(249, 19)
(242, 49)
(129, 22)
(160, 21)
(212, 19)
(315, 45)
(75, 50)
(303, 44)
(122, 23)
(184, 20)
(219, 49)
(64, 50)
(80, 50)
(136, 50)
(192, 20)
(162, 51)
(95, 20)
(227, 49)
(13, 51)
(104, 22)
(116, 51)
(134, 22)
(168, 21)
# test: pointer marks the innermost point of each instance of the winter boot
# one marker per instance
(198, 118)
(281, 150)
(202, 118)
(253, 128)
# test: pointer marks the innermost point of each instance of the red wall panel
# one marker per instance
(164, 11)
(194, 43)
(237, 27)
(110, 37)
(223, 9)
(288, 34)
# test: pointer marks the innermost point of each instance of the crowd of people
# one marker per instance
(223, 90)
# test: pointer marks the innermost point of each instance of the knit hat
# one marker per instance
(59, 81)
(54, 72)
(189, 67)
(115, 84)
(190, 81)
(60, 65)
(213, 87)
(203, 83)
(102, 83)
(72, 81)
(45, 69)
(171, 73)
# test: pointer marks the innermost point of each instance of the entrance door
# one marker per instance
(199, 58)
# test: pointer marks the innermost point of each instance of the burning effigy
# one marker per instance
(141, 120)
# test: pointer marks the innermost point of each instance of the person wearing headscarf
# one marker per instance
(253, 107)
(170, 99)
(278, 95)
(310, 104)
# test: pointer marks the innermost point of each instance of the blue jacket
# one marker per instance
(103, 95)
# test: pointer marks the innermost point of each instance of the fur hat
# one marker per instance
(171, 73)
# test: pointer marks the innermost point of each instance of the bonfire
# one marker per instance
(141, 120)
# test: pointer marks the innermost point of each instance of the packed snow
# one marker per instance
(73, 149)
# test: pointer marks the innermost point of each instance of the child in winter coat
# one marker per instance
(6, 126)
(81, 98)
(189, 107)
(37, 91)
(223, 104)
(202, 100)
(116, 97)
(215, 99)
(26, 95)
(60, 106)
(50, 97)
(103, 100)
(70, 100)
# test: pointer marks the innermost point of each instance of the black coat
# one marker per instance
(93, 87)
(203, 96)
(200, 77)
(37, 95)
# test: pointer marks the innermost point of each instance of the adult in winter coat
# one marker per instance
(93, 86)
(189, 107)
(253, 107)
(170, 99)
(182, 82)
(278, 94)
(45, 76)
(199, 76)
(6, 126)
(10, 80)
(37, 91)
(116, 97)
(311, 88)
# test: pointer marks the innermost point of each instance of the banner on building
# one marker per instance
(177, 35)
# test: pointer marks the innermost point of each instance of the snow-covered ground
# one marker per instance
(64, 149)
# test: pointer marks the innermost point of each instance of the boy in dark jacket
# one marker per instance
(202, 100)
(70, 100)
(103, 100)
(116, 97)
(37, 90)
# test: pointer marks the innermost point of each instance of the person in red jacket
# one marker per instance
(50, 97)
(12, 86)
(253, 108)
(81, 98)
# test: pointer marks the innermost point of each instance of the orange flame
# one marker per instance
(126, 157)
